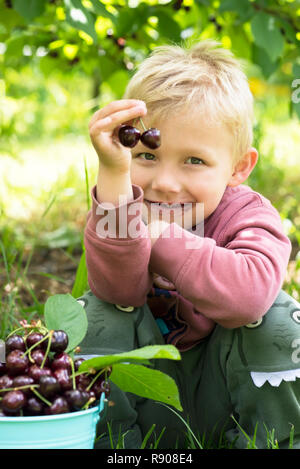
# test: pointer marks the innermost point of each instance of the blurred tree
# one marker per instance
(106, 39)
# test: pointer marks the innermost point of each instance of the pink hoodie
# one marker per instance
(231, 277)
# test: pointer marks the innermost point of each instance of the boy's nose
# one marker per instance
(165, 181)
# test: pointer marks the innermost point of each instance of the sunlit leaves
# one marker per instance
(267, 35)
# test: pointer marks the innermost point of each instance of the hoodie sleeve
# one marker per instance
(234, 283)
(118, 250)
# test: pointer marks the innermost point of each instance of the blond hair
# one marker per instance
(204, 75)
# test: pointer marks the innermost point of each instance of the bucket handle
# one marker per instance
(102, 408)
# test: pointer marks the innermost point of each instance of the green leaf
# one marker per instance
(81, 278)
(242, 7)
(29, 9)
(144, 353)
(79, 17)
(267, 35)
(146, 382)
(261, 58)
(100, 10)
(167, 26)
(63, 312)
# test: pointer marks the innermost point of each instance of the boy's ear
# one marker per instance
(243, 168)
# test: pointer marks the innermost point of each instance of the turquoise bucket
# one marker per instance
(74, 430)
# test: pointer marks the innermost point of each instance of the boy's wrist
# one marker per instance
(113, 185)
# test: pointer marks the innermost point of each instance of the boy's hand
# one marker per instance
(103, 129)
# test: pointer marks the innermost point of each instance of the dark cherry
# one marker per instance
(38, 356)
(129, 136)
(105, 387)
(61, 360)
(63, 377)
(36, 372)
(14, 342)
(3, 369)
(33, 338)
(49, 386)
(59, 341)
(5, 382)
(23, 380)
(59, 406)
(16, 362)
(34, 406)
(77, 363)
(76, 398)
(82, 381)
(13, 402)
(151, 138)
(98, 387)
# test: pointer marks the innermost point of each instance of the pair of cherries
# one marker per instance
(129, 136)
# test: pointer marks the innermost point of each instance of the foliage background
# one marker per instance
(62, 59)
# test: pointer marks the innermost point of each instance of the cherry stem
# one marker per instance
(95, 379)
(73, 372)
(16, 388)
(41, 397)
(48, 348)
(142, 124)
(36, 344)
(86, 405)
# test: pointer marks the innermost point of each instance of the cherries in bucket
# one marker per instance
(44, 374)
(40, 378)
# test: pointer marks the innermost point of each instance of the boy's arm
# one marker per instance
(235, 284)
(118, 251)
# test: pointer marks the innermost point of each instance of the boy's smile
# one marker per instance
(193, 166)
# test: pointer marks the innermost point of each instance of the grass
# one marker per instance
(200, 442)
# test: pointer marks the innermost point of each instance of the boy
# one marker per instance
(204, 265)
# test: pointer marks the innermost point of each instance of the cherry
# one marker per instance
(61, 360)
(13, 402)
(77, 363)
(49, 386)
(82, 381)
(34, 406)
(97, 387)
(76, 398)
(64, 379)
(5, 382)
(59, 406)
(14, 342)
(33, 338)
(36, 372)
(129, 136)
(16, 362)
(3, 369)
(23, 380)
(38, 356)
(59, 341)
(151, 138)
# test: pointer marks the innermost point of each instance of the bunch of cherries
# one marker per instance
(129, 136)
(40, 378)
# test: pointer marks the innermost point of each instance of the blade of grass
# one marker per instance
(189, 429)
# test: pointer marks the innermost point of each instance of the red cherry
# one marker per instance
(151, 138)
(129, 136)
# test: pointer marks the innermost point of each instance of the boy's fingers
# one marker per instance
(109, 123)
(115, 106)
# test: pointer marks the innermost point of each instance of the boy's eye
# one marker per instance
(145, 156)
(195, 160)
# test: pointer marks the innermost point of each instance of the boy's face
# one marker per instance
(193, 165)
